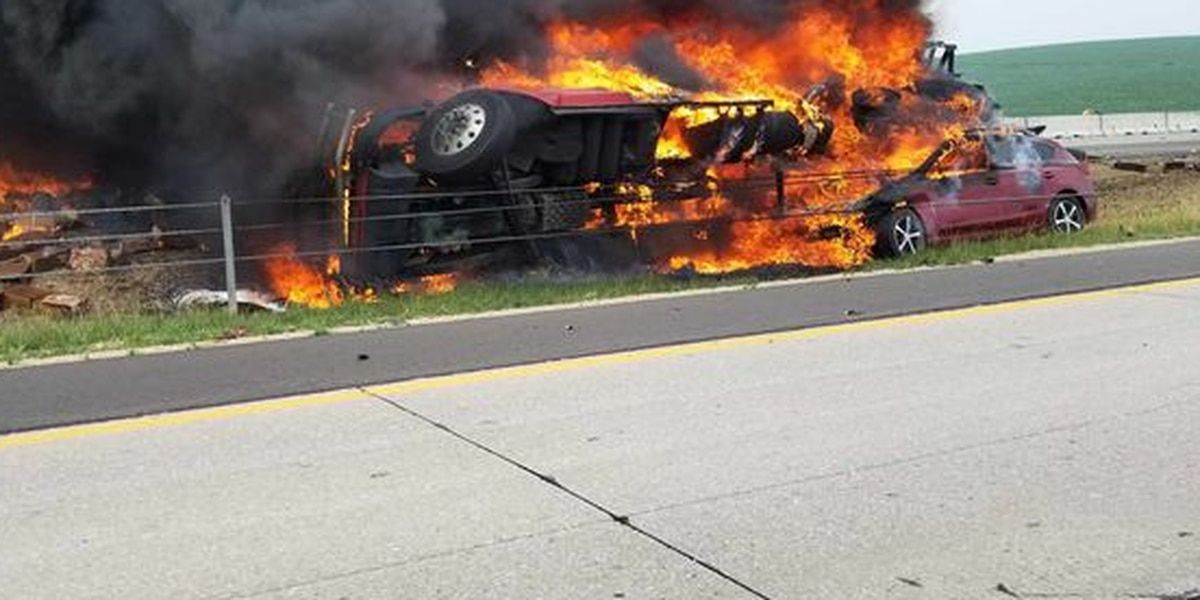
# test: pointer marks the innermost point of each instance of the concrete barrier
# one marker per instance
(1101, 125)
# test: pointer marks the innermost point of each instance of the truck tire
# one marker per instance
(466, 137)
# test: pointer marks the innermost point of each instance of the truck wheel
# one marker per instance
(466, 137)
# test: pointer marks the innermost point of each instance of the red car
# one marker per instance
(1023, 183)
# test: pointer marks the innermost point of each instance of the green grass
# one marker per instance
(24, 337)
(1112, 77)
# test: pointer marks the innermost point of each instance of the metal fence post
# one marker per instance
(230, 257)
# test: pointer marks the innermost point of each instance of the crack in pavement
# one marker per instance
(622, 520)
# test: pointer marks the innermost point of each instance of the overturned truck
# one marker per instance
(497, 169)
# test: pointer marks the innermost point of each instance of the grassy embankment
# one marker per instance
(36, 336)
(1136, 207)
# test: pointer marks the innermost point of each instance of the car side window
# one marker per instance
(1001, 152)
(1017, 152)
(1046, 151)
(968, 155)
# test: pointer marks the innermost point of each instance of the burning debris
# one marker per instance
(32, 219)
(19, 195)
(46, 237)
(297, 282)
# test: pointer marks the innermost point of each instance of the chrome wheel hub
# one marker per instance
(1067, 217)
(908, 235)
(458, 129)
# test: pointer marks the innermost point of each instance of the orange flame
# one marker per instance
(14, 182)
(782, 243)
(12, 231)
(300, 283)
(857, 48)
(440, 284)
(16, 185)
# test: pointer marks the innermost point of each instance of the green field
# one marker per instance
(1112, 77)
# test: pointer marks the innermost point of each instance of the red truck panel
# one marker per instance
(571, 98)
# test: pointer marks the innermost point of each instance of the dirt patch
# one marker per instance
(147, 288)
(1125, 195)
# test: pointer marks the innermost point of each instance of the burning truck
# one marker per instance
(694, 180)
(535, 165)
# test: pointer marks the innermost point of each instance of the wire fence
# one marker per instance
(234, 243)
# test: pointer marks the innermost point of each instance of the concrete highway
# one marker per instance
(1034, 449)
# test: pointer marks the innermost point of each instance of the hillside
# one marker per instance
(1118, 76)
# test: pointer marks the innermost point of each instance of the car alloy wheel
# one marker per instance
(908, 234)
(1066, 216)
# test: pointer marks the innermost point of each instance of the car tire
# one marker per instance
(1066, 215)
(466, 137)
(902, 233)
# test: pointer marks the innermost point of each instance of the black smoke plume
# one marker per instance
(194, 96)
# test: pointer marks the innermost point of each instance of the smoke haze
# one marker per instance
(202, 95)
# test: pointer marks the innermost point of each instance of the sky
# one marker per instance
(979, 25)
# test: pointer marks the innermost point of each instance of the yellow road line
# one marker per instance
(574, 364)
(186, 417)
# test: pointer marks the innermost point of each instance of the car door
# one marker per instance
(968, 204)
(1054, 175)
(1016, 183)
